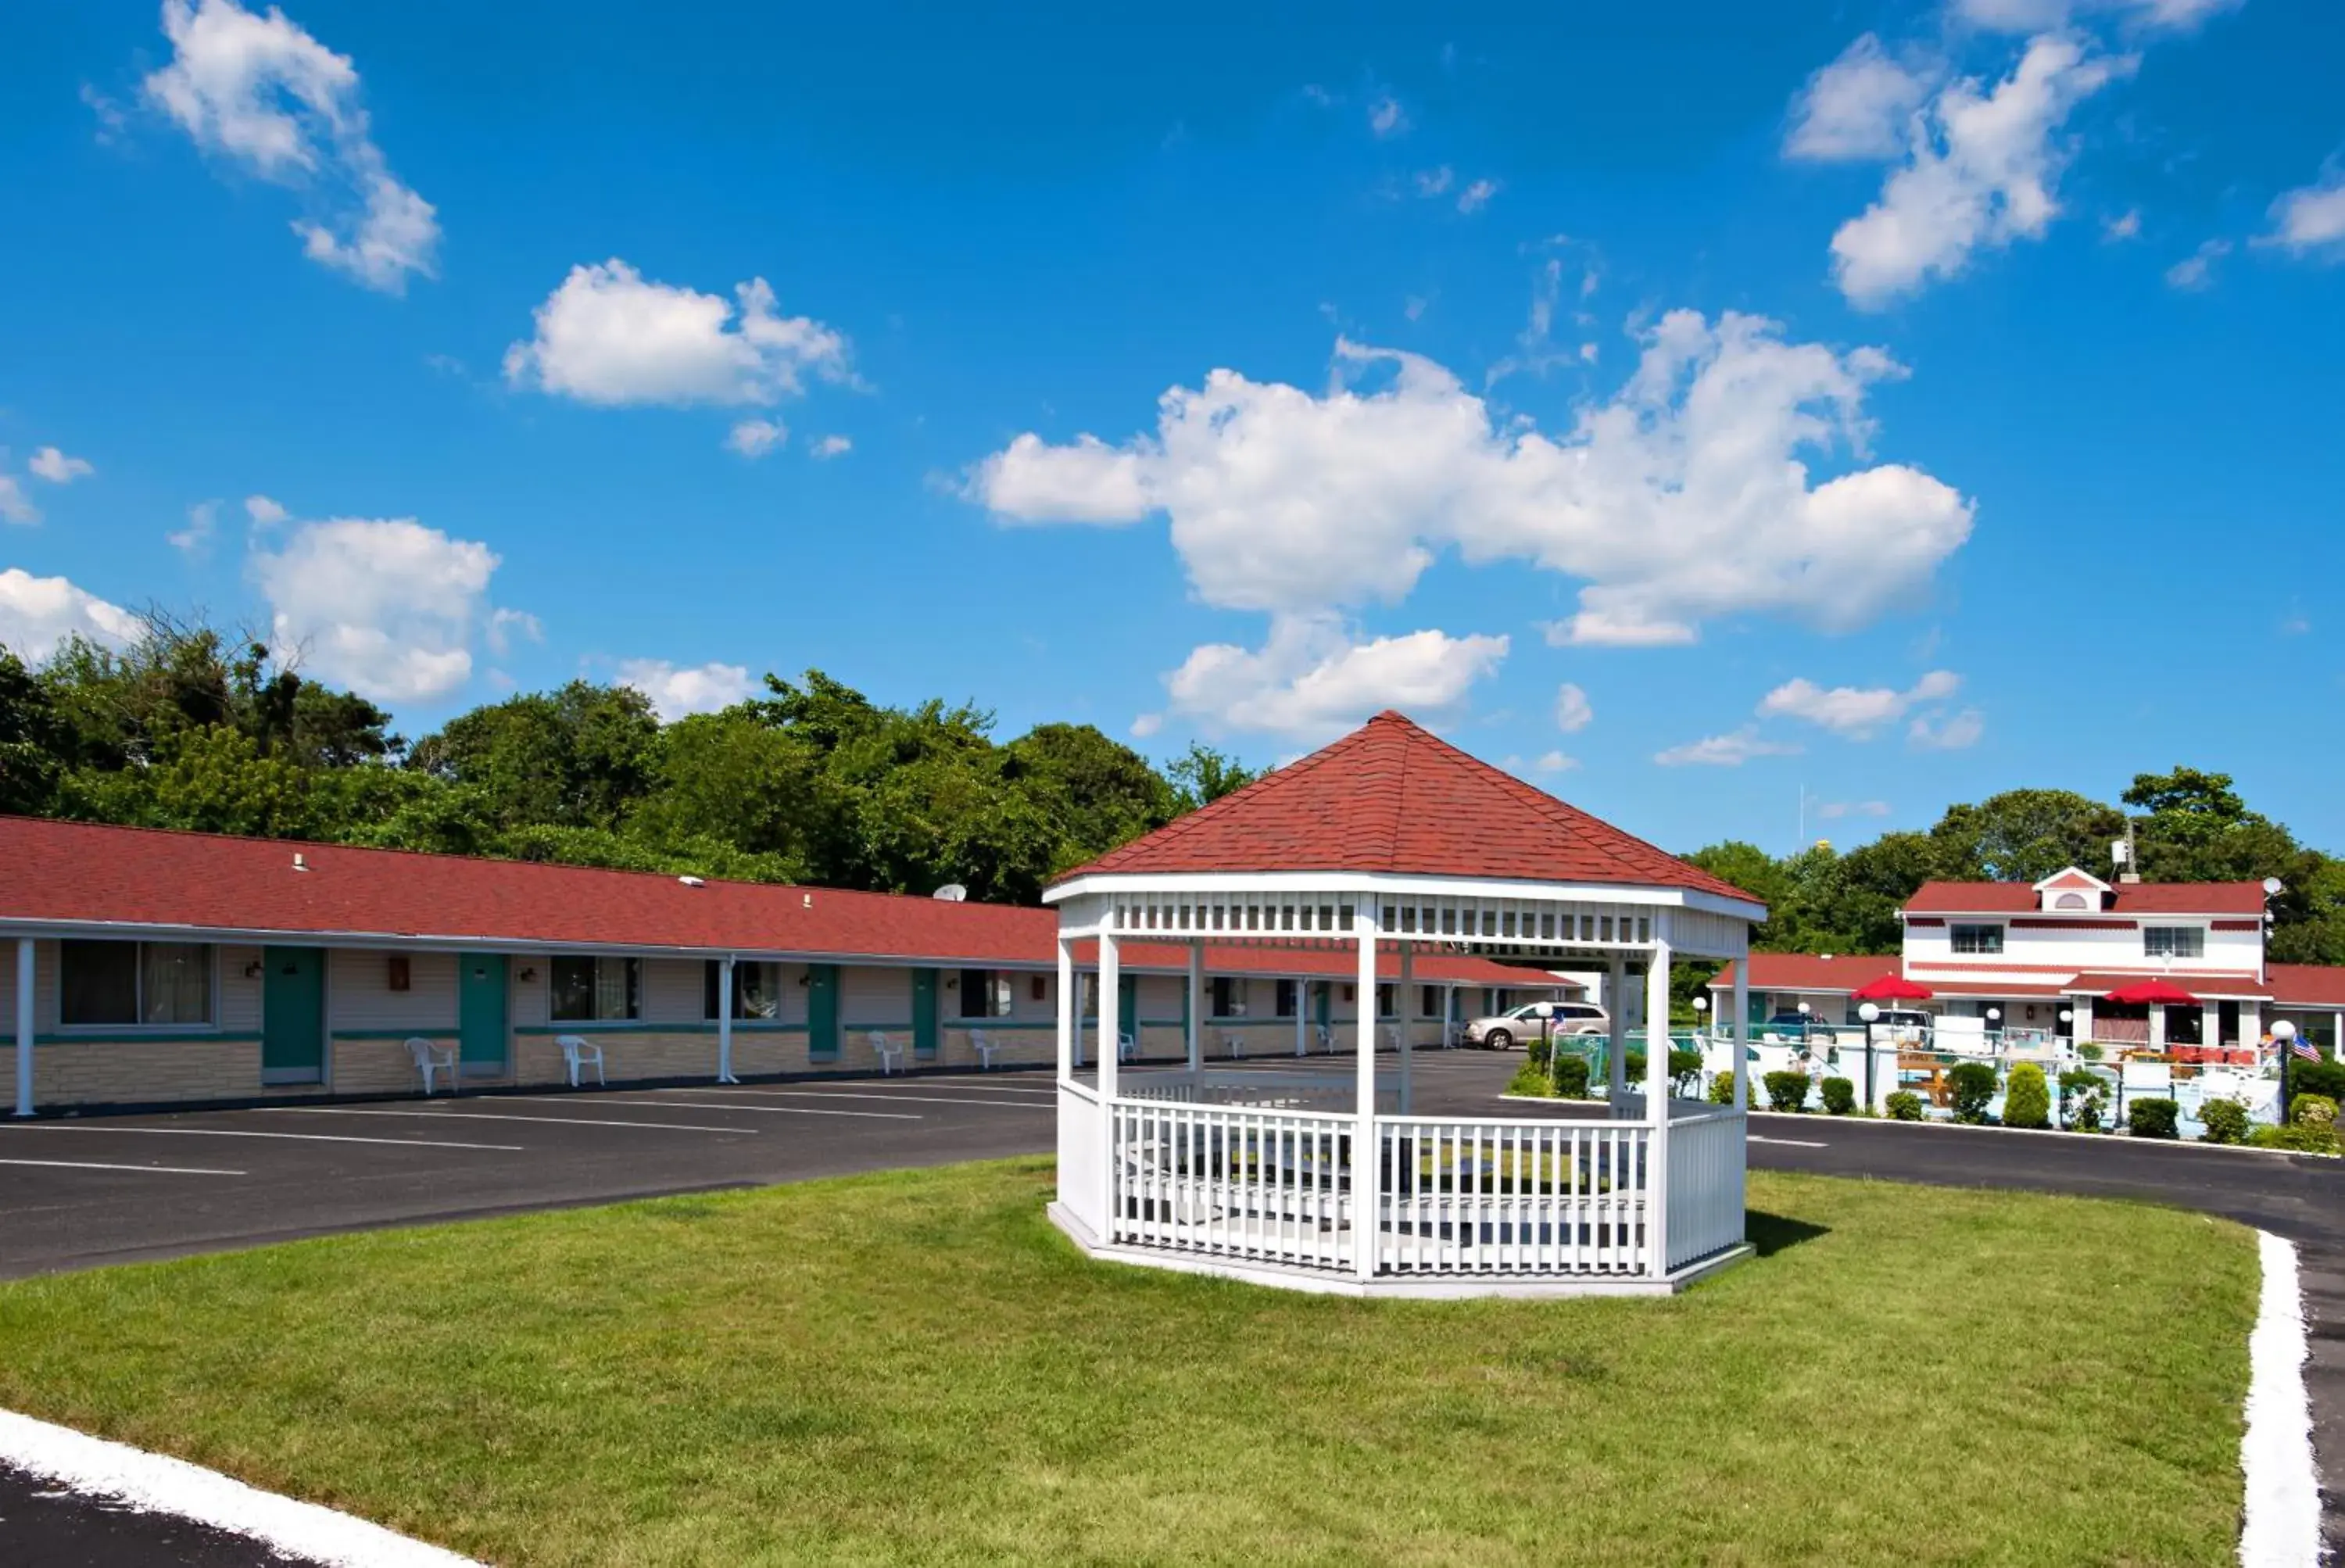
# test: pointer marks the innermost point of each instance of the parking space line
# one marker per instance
(242, 1132)
(96, 1165)
(899, 1099)
(497, 1116)
(724, 1106)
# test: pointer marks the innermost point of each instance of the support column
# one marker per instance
(1404, 1014)
(1657, 1110)
(1365, 1158)
(2080, 1028)
(1110, 1026)
(1301, 1007)
(725, 1021)
(1742, 1033)
(1449, 1020)
(2157, 1025)
(25, 1026)
(1616, 1042)
(1196, 1006)
(1068, 1019)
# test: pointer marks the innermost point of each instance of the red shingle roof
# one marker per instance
(2132, 899)
(1391, 797)
(81, 873)
(1809, 971)
(2306, 984)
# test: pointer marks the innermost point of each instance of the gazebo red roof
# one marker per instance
(1393, 798)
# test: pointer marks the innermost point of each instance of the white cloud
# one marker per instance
(1146, 725)
(2036, 15)
(2310, 219)
(1853, 711)
(830, 446)
(1433, 181)
(2196, 271)
(1833, 811)
(55, 466)
(203, 522)
(1856, 108)
(1387, 119)
(1476, 195)
(1573, 712)
(755, 437)
(1555, 762)
(14, 506)
(2125, 225)
(264, 513)
(262, 92)
(1724, 750)
(1685, 496)
(609, 337)
(506, 624)
(703, 688)
(1310, 680)
(36, 614)
(386, 607)
(1980, 172)
(1951, 733)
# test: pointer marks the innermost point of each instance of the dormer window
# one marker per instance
(2071, 901)
(2073, 889)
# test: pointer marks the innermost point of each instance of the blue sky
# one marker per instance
(1691, 409)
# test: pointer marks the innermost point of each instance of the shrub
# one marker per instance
(2311, 1111)
(2323, 1078)
(2082, 1096)
(2226, 1121)
(1530, 1080)
(1633, 1069)
(1572, 1075)
(2302, 1139)
(1905, 1105)
(1840, 1097)
(2151, 1118)
(1685, 1067)
(2089, 1052)
(1721, 1088)
(2026, 1097)
(1536, 1052)
(1786, 1090)
(1970, 1085)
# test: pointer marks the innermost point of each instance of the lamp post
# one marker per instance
(1701, 1011)
(1871, 1015)
(1993, 1019)
(2283, 1036)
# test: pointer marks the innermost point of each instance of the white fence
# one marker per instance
(1263, 1089)
(1079, 1156)
(1527, 1196)
(1262, 1186)
(1705, 1187)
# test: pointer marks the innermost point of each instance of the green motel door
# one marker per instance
(924, 1012)
(480, 1012)
(292, 1015)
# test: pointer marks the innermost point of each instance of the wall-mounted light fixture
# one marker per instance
(527, 975)
(252, 970)
(401, 974)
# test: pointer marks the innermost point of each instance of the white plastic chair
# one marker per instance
(1233, 1045)
(1127, 1049)
(431, 1058)
(576, 1049)
(985, 1045)
(1327, 1039)
(886, 1050)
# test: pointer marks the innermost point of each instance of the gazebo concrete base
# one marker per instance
(1398, 1286)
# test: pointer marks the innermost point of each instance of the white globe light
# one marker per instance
(1805, 1008)
(2283, 1032)
(1994, 1014)
(2068, 1015)
(1869, 1012)
(1701, 1004)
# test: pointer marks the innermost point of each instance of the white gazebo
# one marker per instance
(1388, 843)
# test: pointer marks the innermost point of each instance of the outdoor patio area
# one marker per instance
(1324, 1180)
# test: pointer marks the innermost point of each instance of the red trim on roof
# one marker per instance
(1393, 798)
(2236, 925)
(1808, 971)
(2073, 924)
(2131, 898)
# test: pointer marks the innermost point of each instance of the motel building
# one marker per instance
(2033, 967)
(143, 968)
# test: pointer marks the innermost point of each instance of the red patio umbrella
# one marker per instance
(2150, 992)
(1893, 988)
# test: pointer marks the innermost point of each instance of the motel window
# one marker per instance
(135, 983)
(2174, 941)
(1289, 998)
(1226, 1002)
(1384, 1001)
(1428, 1002)
(757, 989)
(1978, 938)
(589, 990)
(986, 994)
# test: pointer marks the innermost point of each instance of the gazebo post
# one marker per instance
(1742, 1034)
(1068, 1019)
(1196, 1008)
(1657, 1108)
(1405, 1012)
(1302, 1006)
(1110, 1052)
(1365, 1154)
(1615, 1057)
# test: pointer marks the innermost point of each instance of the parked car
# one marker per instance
(1534, 1020)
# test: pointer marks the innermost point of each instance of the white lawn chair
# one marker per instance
(576, 1049)
(985, 1045)
(1127, 1049)
(1233, 1043)
(889, 1053)
(430, 1059)
(1327, 1039)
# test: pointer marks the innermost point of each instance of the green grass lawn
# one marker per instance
(915, 1368)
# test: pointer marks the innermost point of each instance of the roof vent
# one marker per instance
(299, 864)
(951, 893)
(807, 903)
(693, 881)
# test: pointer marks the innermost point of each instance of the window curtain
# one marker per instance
(175, 982)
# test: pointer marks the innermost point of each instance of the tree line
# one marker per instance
(813, 781)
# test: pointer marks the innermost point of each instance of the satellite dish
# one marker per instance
(2273, 886)
(951, 893)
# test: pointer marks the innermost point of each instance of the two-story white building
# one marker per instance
(2044, 959)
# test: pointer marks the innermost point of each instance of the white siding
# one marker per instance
(359, 994)
(235, 1000)
(673, 990)
(2030, 952)
(871, 997)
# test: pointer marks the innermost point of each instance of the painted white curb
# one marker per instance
(154, 1483)
(2283, 1495)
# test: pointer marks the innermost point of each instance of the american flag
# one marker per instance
(2310, 1053)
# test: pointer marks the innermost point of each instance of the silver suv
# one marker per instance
(1535, 1020)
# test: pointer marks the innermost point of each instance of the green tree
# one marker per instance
(1098, 792)
(32, 740)
(2026, 835)
(577, 757)
(1202, 776)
